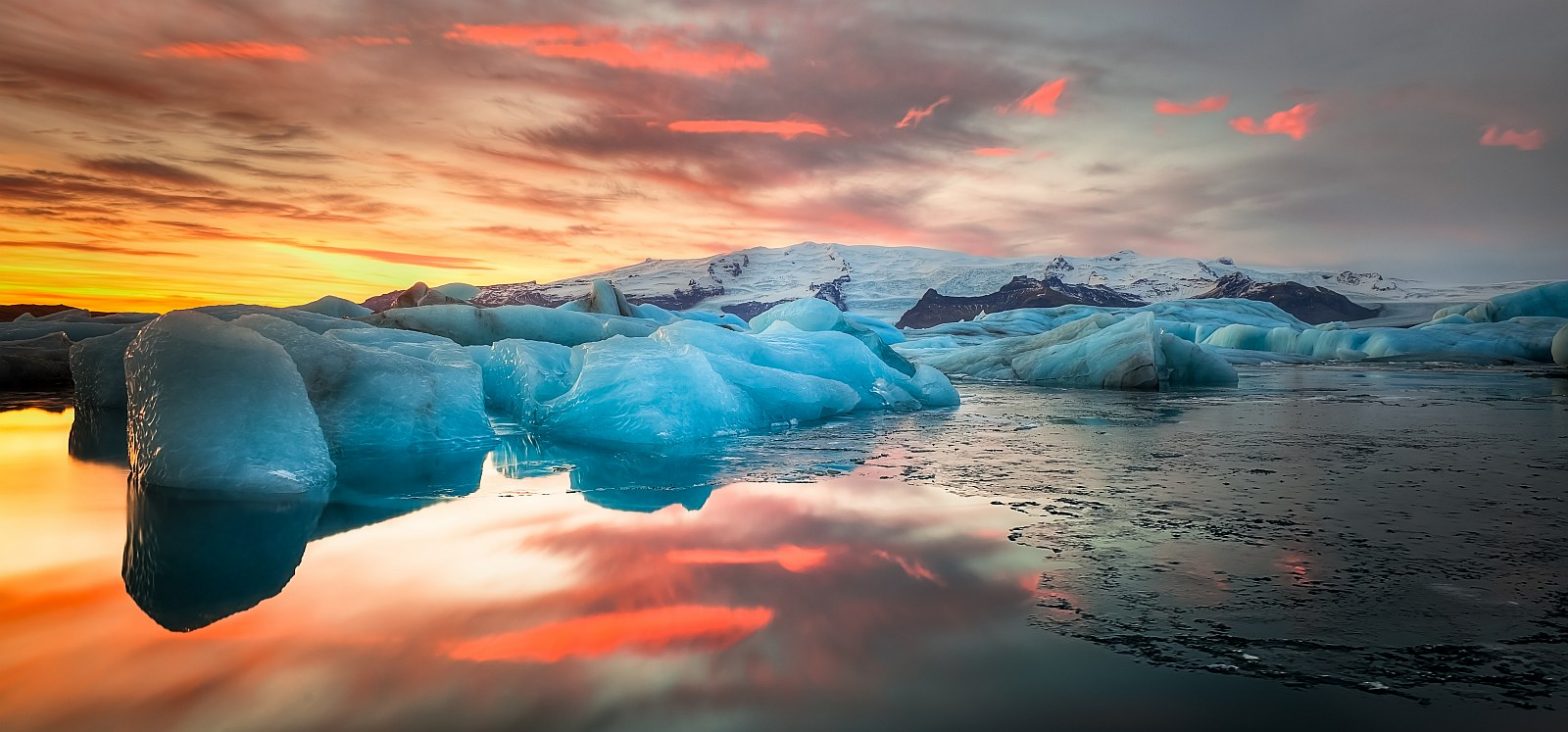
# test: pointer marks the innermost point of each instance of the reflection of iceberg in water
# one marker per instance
(193, 560)
(99, 436)
(686, 475)
(376, 486)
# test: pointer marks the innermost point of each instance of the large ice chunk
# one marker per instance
(407, 395)
(1550, 301)
(1096, 351)
(36, 363)
(604, 299)
(336, 307)
(814, 315)
(216, 407)
(1516, 340)
(1560, 346)
(520, 375)
(473, 326)
(98, 369)
(640, 391)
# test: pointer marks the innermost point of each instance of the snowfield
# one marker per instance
(884, 282)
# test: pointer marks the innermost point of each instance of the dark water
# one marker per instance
(1383, 549)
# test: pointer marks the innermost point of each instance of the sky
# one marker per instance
(186, 152)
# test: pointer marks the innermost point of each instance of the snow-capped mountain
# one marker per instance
(886, 281)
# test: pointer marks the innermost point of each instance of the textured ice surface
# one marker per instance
(35, 363)
(471, 326)
(602, 299)
(1549, 300)
(315, 322)
(458, 290)
(1190, 320)
(520, 375)
(334, 306)
(1095, 351)
(1239, 329)
(26, 330)
(693, 380)
(1518, 340)
(98, 369)
(812, 314)
(216, 407)
(1560, 346)
(382, 398)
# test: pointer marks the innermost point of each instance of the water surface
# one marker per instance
(1321, 547)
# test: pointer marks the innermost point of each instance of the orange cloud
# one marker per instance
(1294, 123)
(994, 152)
(1495, 136)
(647, 630)
(790, 557)
(376, 40)
(787, 129)
(916, 115)
(1041, 101)
(656, 51)
(249, 50)
(1202, 106)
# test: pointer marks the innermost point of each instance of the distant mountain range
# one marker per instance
(886, 282)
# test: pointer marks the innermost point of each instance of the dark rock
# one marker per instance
(935, 308)
(1309, 304)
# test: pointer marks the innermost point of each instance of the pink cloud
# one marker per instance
(1294, 123)
(994, 152)
(1041, 101)
(1495, 136)
(787, 129)
(1205, 105)
(248, 50)
(916, 115)
(654, 51)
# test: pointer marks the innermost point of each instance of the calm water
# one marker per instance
(1384, 548)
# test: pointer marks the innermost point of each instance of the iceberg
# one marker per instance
(814, 315)
(35, 363)
(474, 326)
(1517, 340)
(604, 299)
(98, 369)
(383, 398)
(692, 380)
(521, 375)
(1096, 351)
(1549, 301)
(335, 307)
(216, 407)
(1560, 346)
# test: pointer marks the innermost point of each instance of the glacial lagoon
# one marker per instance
(1351, 546)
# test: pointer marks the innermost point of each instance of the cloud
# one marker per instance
(916, 115)
(397, 257)
(1205, 105)
(1294, 123)
(145, 169)
(1495, 136)
(787, 129)
(994, 152)
(1041, 101)
(655, 50)
(247, 50)
(93, 247)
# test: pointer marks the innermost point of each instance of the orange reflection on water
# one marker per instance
(790, 557)
(708, 627)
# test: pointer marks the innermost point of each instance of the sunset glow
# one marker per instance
(199, 153)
